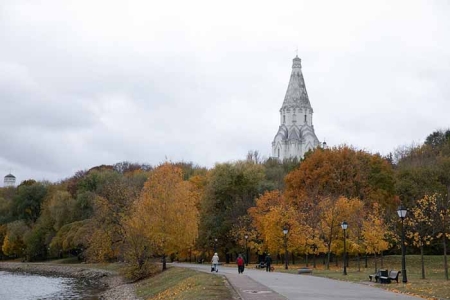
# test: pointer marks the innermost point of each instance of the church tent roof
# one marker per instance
(296, 94)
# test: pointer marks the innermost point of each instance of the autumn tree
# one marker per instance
(420, 224)
(270, 215)
(276, 171)
(112, 205)
(375, 231)
(425, 170)
(231, 188)
(27, 202)
(341, 171)
(6, 199)
(332, 213)
(13, 244)
(166, 213)
(355, 219)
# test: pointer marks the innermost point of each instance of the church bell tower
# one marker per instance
(296, 134)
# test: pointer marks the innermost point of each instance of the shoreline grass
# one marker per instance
(186, 284)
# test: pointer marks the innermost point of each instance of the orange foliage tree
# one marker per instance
(337, 184)
(341, 171)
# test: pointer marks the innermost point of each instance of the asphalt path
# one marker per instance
(305, 287)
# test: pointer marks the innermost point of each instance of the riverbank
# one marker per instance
(115, 287)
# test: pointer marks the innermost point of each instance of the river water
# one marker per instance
(22, 286)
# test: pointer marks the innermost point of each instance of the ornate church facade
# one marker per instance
(296, 134)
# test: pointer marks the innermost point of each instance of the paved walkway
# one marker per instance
(258, 284)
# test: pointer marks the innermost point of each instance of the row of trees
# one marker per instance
(134, 212)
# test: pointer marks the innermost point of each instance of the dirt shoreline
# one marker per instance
(116, 288)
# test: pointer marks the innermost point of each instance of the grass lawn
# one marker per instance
(186, 284)
(434, 286)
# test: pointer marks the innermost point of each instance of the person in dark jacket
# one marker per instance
(268, 262)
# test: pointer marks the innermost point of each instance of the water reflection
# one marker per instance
(21, 286)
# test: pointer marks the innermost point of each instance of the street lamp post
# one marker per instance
(285, 231)
(401, 211)
(246, 250)
(215, 242)
(344, 226)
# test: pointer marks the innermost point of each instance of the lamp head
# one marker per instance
(401, 211)
(344, 225)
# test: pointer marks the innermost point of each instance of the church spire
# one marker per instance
(295, 134)
(296, 94)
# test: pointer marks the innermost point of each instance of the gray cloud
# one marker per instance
(94, 82)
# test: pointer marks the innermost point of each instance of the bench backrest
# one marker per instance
(383, 273)
(394, 274)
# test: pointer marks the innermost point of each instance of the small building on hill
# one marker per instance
(9, 181)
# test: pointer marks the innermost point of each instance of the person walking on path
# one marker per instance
(268, 262)
(215, 262)
(240, 263)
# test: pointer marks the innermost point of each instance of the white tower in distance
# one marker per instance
(295, 135)
(10, 180)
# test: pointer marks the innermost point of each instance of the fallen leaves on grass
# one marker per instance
(174, 292)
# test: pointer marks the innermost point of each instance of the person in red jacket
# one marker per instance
(240, 263)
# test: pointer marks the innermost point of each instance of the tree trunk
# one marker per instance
(328, 260)
(375, 258)
(444, 241)
(422, 262)
(359, 263)
(164, 267)
(347, 261)
(444, 236)
(306, 259)
(365, 261)
(382, 260)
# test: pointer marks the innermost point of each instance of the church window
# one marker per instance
(284, 119)
(278, 152)
(305, 119)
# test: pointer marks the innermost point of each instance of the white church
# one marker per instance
(296, 134)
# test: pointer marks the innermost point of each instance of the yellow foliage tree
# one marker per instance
(166, 213)
(13, 244)
(270, 215)
(332, 213)
(420, 224)
(374, 232)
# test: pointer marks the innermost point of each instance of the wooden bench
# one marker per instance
(382, 276)
(393, 275)
(379, 274)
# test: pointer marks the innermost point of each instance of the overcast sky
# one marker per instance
(84, 83)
